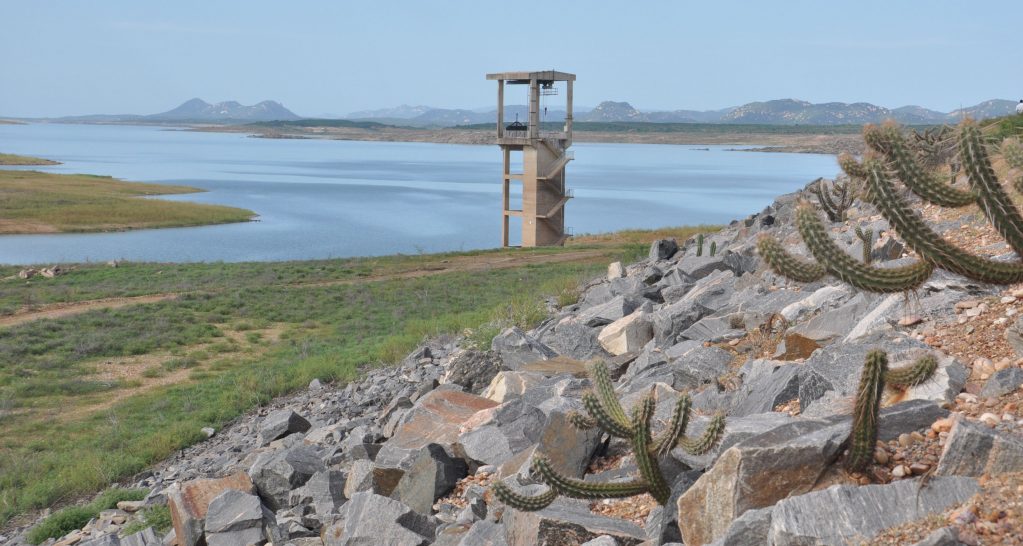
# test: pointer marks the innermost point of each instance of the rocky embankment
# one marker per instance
(406, 455)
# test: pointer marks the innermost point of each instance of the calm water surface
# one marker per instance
(329, 198)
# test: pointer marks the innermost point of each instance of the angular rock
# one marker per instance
(686, 365)
(946, 536)
(324, 492)
(280, 424)
(1002, 382)
(713, 329)
(516, 348)
(765, 385)
(189, 501)
(1014, 335)
(432, 475)
(749, 529)
(699, 267)
(626, 334)
(366, 476)
(508, 385)
(671, 320)
(145, 537)
(795, 346)
(436, 418)
(566, 523)
(615, 270)
(234, 519)
(844, 513)
(473, 369)
(276, 473)
(662, 249)
(606, 313)
(973, 449)
(369, 518)
(573, 339)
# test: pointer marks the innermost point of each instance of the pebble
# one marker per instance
(942, 425)
(1008, 299)
(910, 320)
(881, 456)
(916, 436)
(900, 472)
(990, 419)
(1002, 364)
(982, 365)
(966, 304)
(919, 468)
(905, 440)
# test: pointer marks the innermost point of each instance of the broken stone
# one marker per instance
(516, 348)
(276, 473)
(627, 334)
(369, 518)
(975, 450)
(189, 502)
(280, 424)
(432, 475)
(566, 522)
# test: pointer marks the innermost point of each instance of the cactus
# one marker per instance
(606, 412)
(834, 200)
(867, 236)
(1012, 151)
(699, 245)
(891, 158)
(713, 248)
(934, 147)
(875, 377)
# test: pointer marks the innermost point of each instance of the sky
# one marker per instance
(317, 57)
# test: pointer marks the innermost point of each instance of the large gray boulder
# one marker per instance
(843, 513)
(323, 493)
(686, 365)
(234, 518)
(276, 473)
(473, 369)
(279, 424)
(432, 475)
(571, 338)
(566, 522)
(606, 313)
(516, 348)
(663, 249)
(749, 529)
(765, 385)
(973, 449)
(369, 518)
(672, 319)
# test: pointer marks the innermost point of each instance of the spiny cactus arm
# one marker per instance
(843, 266)
(890, 142)
(993, 200)
(650, 471)
(580, 421)
(603, 419)
(863, 437)
(851, 167)
(667, 439)
(834, 209)
(710, 437)
(604, 388)
(867, 236)
(785, 264)
(928, 244)
(913, 374)
(580, 489)
(524, 503)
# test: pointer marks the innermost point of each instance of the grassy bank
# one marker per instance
(36, 202)
(90, 397)
(12, 159)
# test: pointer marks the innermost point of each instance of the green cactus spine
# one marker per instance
(713, 248)
(889, 141)
(699, 245)
(606, 412)
(867, 236)
(876, 376)
(863, 437)
(834, 200)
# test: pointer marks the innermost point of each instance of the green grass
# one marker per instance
(68, 519)
(56, 446)
(12, 159)
(158, 517)
(1008, 126)
(37, 202)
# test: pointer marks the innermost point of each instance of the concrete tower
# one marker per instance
(544, 156)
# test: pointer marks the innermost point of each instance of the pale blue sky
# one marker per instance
(130, 56)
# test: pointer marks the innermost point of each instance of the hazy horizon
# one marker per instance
(122, 57)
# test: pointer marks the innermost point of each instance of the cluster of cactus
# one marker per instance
(935, 146)
(606, 412)
(834, 200)
(890, 158)
(699, 245)
(867, 236)
(875, 378)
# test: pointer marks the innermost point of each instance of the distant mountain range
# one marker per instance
(200, 111)
(774, 112)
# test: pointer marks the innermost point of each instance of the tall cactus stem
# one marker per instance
(863, 437)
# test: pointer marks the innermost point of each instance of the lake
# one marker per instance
(332, 198)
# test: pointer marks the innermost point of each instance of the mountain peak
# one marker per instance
(200, 110)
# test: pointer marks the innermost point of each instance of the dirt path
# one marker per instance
(58, 310)
(452, 265)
